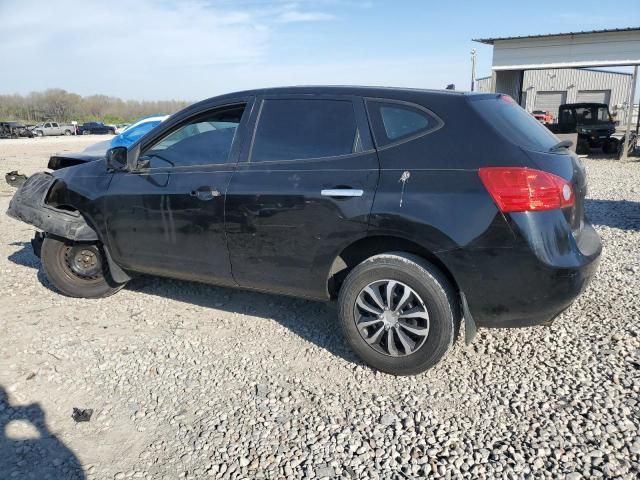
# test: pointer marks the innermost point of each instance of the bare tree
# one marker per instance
(59, 105)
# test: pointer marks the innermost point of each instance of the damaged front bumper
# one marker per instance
(28, 205)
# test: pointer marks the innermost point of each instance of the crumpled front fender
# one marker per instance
(28, 205)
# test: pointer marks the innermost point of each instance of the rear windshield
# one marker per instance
(514, 123)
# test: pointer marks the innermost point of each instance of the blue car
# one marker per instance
(136, 131)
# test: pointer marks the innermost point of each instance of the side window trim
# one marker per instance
(234, 152)
(365, 137)
(439, 122)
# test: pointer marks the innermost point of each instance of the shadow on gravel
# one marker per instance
(26, 258)
(28, 450)
(316, 322)
(621, 214)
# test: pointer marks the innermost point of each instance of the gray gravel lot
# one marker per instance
(191, 381)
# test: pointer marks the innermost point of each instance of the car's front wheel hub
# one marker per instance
(84, 261)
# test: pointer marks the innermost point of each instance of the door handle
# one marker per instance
(341, 192)
(205, 193)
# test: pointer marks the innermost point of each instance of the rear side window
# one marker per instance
(513, 122)
(296, 129)
(395, 122)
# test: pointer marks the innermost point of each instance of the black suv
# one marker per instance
(413, 208)
(95, 128)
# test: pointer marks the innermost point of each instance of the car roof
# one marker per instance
(583, 104)
(158, 118)
(154, 118)
(366, 91)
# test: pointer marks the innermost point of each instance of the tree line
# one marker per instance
(58, 105)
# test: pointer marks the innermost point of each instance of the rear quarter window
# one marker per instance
(395, 122)
(513, 122)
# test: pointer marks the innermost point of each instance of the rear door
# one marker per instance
(303, 191)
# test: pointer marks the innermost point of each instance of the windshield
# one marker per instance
(591, 115)
(136, 132)
(514, 123)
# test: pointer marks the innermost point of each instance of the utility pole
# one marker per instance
(632, 97)
(473, 69)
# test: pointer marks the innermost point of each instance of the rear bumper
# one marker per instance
(533, 282)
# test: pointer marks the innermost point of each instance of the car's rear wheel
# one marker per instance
(77, 269)
(611, 146)
(40, 133)
(399, 313)
(67, 132)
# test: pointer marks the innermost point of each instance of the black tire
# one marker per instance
(86, 132)
(434, 290)
(611, 146)
(58, 268)
(583, 148)
(67, 132)
(40, 133)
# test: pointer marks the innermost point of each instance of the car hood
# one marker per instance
(64, 160)
(84, 169)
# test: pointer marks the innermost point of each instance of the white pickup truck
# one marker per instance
(52, 128)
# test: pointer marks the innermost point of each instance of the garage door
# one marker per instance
(550, 101)
(593, 96)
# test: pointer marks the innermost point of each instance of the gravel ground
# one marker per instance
(190, 381)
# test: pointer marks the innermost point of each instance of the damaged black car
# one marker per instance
(366, 196)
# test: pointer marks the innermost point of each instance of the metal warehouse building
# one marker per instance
(548, 89)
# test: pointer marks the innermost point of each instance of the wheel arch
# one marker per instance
(366, 247)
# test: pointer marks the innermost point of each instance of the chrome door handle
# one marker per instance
(205, 193)
(342, 192)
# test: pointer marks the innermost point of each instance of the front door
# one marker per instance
(302, 192)
(167, 217)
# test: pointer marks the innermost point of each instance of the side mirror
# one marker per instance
(117, 158)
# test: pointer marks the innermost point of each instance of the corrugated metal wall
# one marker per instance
(570, 80)
(573, 80)
(484, 85)
(509, 82)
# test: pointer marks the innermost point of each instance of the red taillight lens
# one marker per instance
(517, 189)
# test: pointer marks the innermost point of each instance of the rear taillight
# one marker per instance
(517, 189)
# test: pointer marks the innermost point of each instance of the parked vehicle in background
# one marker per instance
(14, 130)
(359, 194)
(593, 124)
(95, 128)
(48, 129)
(121, 128)
(542, 116)
(137, 130)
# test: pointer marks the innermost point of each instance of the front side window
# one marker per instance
(297, 129)
(394, 122)
(205, 140)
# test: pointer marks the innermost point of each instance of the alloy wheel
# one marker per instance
(391, 317)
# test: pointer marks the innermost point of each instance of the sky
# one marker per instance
(194, 49)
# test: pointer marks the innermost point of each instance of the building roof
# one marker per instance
(491, 41)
